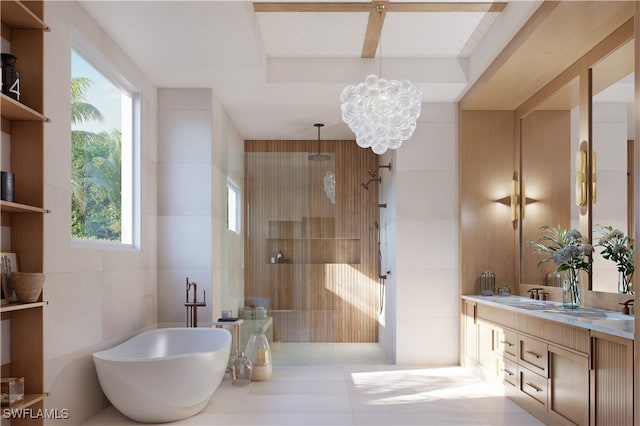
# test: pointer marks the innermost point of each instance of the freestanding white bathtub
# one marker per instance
(165, 374)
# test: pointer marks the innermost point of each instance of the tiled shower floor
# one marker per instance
(347, 385)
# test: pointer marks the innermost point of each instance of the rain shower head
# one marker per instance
(319, 156)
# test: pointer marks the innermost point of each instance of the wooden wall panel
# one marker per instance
(486, 167)
(327, 287)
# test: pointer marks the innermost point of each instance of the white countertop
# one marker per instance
(610, 322)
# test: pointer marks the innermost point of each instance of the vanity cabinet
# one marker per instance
(469, 333)
(612, 380)
(568, 386)
(23, 121)
(544, 366)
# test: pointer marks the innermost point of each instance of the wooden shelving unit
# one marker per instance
(23, 28)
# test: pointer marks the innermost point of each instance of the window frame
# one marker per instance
(131, 205)
(234, 188)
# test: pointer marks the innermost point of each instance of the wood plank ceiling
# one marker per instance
(377, 11)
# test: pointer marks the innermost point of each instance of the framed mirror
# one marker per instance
(612, 144)
(549, 140)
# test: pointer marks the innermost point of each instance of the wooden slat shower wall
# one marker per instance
(328, 290)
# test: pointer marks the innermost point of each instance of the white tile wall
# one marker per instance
(424, 284)
(197, 145)
(97, 295)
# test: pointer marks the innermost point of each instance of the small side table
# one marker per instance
(236, 330)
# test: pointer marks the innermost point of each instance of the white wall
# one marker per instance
(420, 243)
(97, 296)
(198, 148)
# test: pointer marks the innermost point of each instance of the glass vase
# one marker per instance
(571, 290)
(624, 282)
(259, 353)
(241, 369)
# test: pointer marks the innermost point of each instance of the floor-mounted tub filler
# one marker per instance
(165, 374)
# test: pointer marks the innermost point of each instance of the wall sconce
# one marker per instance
(594, 177)
(514, 199)
(581, 178)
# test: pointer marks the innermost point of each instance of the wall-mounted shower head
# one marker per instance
(366, 185)
(374, 173)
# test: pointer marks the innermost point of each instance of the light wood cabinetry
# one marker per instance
(568, 386)
(562, 374)
(469, 333)
(22, 27)
(612, 380)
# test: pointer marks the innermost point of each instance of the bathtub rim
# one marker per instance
(102, 355)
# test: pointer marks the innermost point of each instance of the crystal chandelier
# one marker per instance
(382, 113)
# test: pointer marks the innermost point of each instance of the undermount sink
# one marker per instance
(590, 314)
(529, 305)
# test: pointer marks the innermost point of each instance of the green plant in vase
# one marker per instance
(570, 252)
(618, 248)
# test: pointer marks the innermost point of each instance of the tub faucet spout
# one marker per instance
(192, 307)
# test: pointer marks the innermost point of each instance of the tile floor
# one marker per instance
(350, 384)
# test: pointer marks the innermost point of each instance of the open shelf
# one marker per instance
(23, 28)
(14, 110)
(11, 207)
(28, 401)
(16, 15)
(16, 306)
(316, 250)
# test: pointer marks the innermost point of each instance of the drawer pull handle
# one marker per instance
(506, 343)
(534, 354)
(534, 387)
(509, 373)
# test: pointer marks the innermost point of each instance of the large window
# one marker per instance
(103, 123)
(233, 207)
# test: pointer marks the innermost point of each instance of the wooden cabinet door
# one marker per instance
(612, 376)
(469, 321)
(487, 360)
(568, 386)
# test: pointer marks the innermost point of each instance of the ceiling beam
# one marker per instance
(374, 30)
(311, 7)
(446, 7)
(368, 7)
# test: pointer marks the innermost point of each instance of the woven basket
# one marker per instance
(27, 285)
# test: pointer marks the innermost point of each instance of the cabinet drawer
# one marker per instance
(507, 343)
(508, 371)
(532, 353)
(532, 385)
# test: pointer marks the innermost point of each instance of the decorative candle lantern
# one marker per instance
(487, 283)
(241, 369)
(259, 353)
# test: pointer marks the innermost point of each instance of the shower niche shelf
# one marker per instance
(311, 240)
(316, 250)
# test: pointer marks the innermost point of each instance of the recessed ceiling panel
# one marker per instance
(312, 35)
(437, 34)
